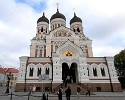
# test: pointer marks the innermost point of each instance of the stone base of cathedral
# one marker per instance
(53, 87)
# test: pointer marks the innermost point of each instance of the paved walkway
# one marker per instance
(38, 96)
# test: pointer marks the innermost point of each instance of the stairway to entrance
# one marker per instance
(73, 87)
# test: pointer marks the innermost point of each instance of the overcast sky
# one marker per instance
(103, 22)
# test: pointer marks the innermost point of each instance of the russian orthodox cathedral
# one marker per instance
(60, 54)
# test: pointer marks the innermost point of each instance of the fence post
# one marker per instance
(47, 97)
(11, 96)
(28, 95)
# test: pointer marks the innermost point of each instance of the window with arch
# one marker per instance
(55, 25)
(88, 71)
(39, 71)
(58, 25)
(56, 47)
(94, 72)
(47, 71)
(40, 54)
(102, 71)
(73, 29)
(46, 30)
(31, 72)
(42, 29)
(78, 30)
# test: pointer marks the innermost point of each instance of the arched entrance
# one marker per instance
(73, 72)
(69, 74)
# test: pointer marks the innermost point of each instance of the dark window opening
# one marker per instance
(31, 72)
(40, 55)
(103, 71)
(78, 30)
(74, 30)
(42, 29)
(38, 89)
(47, 71)
(88, 71)
(39, 72)
(94, 72)
(98, 89)
(46, 88)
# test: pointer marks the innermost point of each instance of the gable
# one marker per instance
(62, 32)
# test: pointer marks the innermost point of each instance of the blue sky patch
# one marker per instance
(37, 6)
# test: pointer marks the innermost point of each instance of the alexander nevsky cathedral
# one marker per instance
(59, 54)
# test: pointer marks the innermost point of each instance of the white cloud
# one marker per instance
(103, 22)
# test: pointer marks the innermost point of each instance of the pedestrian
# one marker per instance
(60, 94)
(44, 97)
(68, 93)
(78, 92)
(34, 88)
(30, 91)
(88, 91)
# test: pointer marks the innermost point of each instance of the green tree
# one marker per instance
(119, 61)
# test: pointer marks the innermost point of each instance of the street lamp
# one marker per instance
(9, 77)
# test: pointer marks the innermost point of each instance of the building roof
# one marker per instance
(57, 15)
(2, 71)
(12, 70)
(75, 19)
(43, 19)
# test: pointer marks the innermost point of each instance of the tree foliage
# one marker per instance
(119, 61)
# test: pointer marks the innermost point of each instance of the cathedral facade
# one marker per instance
(59, 53)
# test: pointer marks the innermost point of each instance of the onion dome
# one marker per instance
(43, 19)
(75, 19)
(57, 15)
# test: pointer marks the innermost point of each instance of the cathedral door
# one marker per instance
(65, 71)
(74, 73)
(69, 74)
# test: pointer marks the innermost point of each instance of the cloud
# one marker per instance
(103, 22)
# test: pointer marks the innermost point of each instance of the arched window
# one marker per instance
(55, 25)
(102, 71)
(31, 72)
(46, 30)
(42, 29)
(39, 72)
(56, 47)
(74, 30)
(47, 71)
(40, 54)
(88, 71)
(78, 30)
(94, 72)
(58, 25)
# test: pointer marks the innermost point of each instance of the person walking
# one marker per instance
(88, 91)
(34, 88)
(60, 94)
(44, 97)
(78, 92)
(68, 93)
(30, 90)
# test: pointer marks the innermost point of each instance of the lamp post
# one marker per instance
(9, 77)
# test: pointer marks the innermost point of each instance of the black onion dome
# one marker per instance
(43, 19)
(57, 15)
(75, 19)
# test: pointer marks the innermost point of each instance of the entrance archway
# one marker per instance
(74, 73)
(69, 72)
(65, 71)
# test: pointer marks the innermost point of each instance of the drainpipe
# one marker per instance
(26, 74)
(109, 77)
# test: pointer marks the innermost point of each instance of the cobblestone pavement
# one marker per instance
(37, 96)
